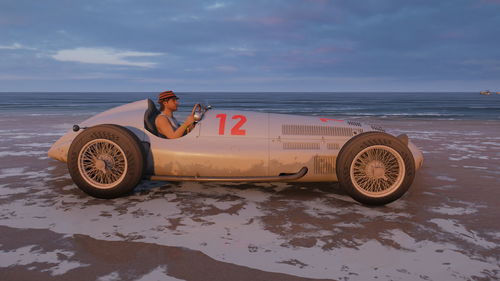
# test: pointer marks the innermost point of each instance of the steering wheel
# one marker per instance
(197, 112)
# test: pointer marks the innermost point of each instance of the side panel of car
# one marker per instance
(224, 143)
(239, 125)
(314, 142)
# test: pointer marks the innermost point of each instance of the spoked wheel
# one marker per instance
(106, 161)
(102, 163)
(375, 168)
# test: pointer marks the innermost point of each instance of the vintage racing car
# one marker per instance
(110, 153)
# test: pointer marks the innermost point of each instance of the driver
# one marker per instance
(166, 123)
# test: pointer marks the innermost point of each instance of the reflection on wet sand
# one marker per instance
(444, 228)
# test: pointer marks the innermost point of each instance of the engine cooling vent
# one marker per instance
(333, 146)
(324, 164)
(301, 145)
(377, 128)
(308, 130)
(354, 123)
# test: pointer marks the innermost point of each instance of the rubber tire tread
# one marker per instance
(128, 142)
(360, 142)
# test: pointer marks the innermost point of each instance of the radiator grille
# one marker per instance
(334, 146)
(324, 164)
(300, 145)
(308, 130)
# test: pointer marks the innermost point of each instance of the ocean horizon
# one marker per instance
(355, 105)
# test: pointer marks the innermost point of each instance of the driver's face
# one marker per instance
(172, 104)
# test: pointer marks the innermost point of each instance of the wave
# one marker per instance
(381, 105)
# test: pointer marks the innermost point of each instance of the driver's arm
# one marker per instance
(191, 127)
(165, 128)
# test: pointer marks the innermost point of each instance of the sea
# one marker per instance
(405, 105)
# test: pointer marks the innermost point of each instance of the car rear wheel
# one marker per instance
(375, 168)
(106, 161)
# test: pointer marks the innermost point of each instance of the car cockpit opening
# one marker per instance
(152, 113)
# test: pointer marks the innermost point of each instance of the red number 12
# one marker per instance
(236, 130)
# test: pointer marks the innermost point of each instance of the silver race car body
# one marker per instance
(228, 145)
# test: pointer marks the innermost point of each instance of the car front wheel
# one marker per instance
(375, 168)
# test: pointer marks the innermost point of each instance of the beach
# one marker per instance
(445, 227)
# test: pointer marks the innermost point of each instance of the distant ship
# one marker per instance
(486, 93)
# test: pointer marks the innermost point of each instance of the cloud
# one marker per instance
(491, 1)
(108, 56)
(185, 18)
(15, 46)
(217, 39)
(217, 5)
(489, 64)
(226, 68)
(60, 76)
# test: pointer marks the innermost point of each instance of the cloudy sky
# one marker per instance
(249, 45)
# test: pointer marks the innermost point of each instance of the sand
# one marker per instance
(445, 228)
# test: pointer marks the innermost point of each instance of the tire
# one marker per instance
(375, 168)
(106, 161)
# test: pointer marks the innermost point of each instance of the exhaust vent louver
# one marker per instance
(324, 164)
(377, 128)
(308, 130)
(354, 123)
(333, 146)
(300, 145)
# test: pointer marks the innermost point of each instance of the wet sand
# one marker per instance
(445, 228)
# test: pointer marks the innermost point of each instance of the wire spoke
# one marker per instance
(102, 163)
(377, 170)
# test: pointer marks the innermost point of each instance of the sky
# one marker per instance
(249, 45)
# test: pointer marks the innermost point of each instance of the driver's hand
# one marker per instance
(189, 120)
